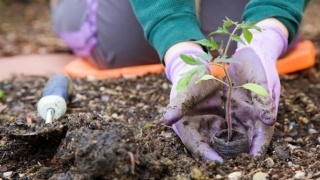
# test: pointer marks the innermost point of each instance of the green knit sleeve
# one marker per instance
(289, 12)
(167, 22)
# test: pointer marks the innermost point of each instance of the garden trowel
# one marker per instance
(51, 106)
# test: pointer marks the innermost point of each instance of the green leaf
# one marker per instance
(249, 25)
(227, 23)
(208, 43)
(246, 25)
(256, 89)
(224, 59)
(1, 94)
(205, 77)
(247, 35)
(206, 56)
(256, 28)
(201, 70)
(185, 79)
(146, 126)
(237, 38)
(221, 30)
(190, 60)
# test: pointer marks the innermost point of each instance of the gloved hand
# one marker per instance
(195, 112)
(255, 115)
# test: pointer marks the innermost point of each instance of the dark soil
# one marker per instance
(113, 128)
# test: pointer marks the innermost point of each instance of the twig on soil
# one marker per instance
(29, 121)
(254, 171)
(132, 162)
(314, 164)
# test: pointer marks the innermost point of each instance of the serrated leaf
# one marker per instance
(208, 43)
(221, 30)
(185, 79)
(256, 88)
(247, 35)
(206, 56)
(190, 60)
(1, 94)
(256, 28)
(237, 38)
(247, 25)
(227, 23)
(205, 77)
(224, 59)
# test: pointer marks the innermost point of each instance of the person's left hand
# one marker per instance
(252, 114)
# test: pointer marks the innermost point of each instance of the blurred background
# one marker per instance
(25, 27)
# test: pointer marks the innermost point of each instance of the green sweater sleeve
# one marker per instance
(289, 12)
(167, 22)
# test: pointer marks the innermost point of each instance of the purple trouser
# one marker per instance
(108, 34)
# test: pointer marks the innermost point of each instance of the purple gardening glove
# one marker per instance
(196, 111)
(252, 114)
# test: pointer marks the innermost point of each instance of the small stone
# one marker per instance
(2, 142)
(235, 175)
(165, 86)
(269, 162)
(7, 174)
(296, 166)
(196, 173)
(305, 120)
(313, 149)
(299, 140)
(288, 139)
(290, 164)
(166, 134)
(218, 176)
(312, 131)
(275, 176)
(260, 176)
(299, 175)
(114, 115)
(105, 98)
(212, 165)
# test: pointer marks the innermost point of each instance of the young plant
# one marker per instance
(1, 93)
(221, 61)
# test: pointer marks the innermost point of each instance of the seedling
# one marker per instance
(1, 93)
(221, 61)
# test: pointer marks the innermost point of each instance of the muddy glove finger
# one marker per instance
(195, 133)
(261, 137)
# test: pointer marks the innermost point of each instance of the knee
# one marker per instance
(67, 15)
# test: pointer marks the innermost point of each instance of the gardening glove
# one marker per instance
(253, 114)
(195, 113)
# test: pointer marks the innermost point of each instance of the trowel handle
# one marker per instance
(59, 85)
(56, 94)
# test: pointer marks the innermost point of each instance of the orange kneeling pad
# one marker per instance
(301, 57)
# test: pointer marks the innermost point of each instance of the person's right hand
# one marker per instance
(196, 112)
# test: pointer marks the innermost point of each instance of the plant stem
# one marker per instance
(228, 108)
(228, 105)
(229, 41)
